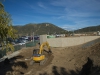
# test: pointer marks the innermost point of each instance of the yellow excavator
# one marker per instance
(38, 55)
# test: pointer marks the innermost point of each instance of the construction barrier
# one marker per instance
(19, 47)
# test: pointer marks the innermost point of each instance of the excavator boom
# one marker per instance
(42, 46)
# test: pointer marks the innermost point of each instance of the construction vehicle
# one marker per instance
(38, 55)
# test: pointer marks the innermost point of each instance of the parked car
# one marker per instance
(21, 43)
(36, 37)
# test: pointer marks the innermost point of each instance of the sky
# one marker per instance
(67, 14)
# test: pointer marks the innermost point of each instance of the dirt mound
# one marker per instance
(95, 48)
(74, 60)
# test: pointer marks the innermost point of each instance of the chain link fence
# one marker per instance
(18, 47)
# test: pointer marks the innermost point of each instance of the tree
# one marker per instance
(6, 29)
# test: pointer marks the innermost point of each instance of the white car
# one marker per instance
(20, 42)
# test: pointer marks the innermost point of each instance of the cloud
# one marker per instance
(76, 3)
(69, 27)
(79, 7)
(80, 13)
(71, 14)
(40, 4)
(81, 24)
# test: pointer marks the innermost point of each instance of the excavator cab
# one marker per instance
(38, 55)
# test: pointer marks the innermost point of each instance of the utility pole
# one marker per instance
(33, 36)
(48, 33)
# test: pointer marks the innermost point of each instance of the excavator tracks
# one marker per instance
(49, 59)
(43, 61)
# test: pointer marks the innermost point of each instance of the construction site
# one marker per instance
(69, 56)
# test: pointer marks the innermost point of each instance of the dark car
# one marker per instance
(36, 38)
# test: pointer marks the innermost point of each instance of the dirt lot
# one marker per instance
(64, 61)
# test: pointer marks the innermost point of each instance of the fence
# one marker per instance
(18, 47)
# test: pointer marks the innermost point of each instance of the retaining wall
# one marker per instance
(67, 41)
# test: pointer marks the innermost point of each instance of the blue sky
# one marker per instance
(67, 14)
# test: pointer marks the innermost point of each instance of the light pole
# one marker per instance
(33, 36)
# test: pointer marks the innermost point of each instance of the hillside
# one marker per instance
(89, 29)
(38, 29)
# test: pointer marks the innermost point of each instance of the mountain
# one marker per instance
(38, 29)
(88, 29)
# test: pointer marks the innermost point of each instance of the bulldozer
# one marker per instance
(38, 55)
